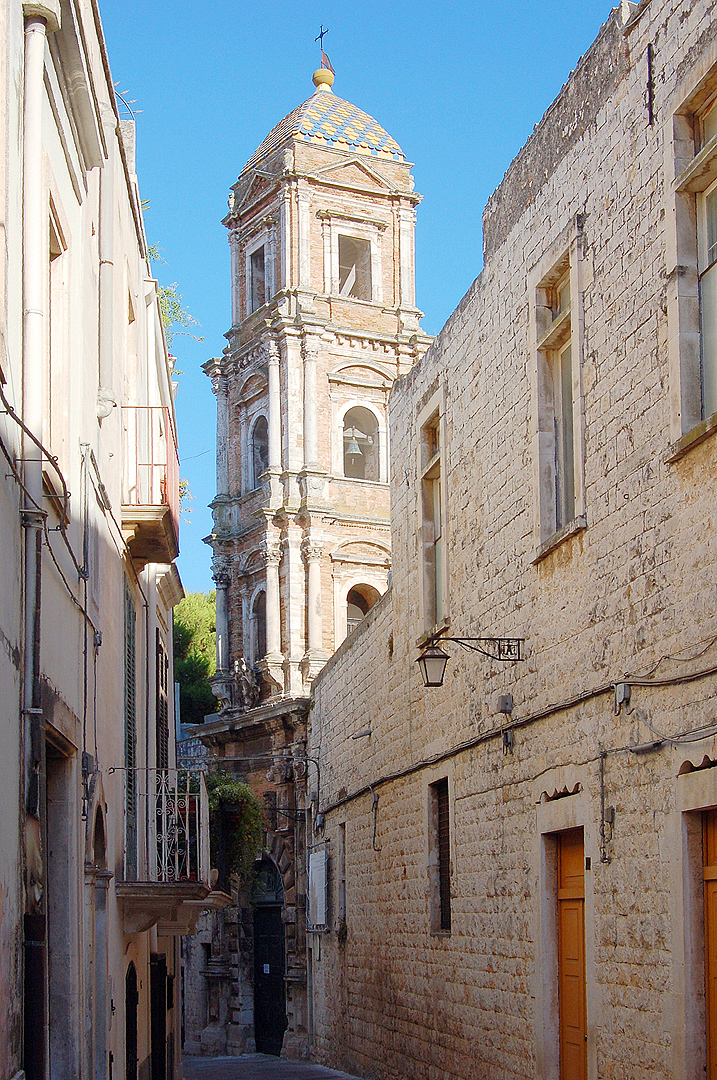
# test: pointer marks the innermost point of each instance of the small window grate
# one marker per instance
(443, 830)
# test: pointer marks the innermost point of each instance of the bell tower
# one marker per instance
(321, 231)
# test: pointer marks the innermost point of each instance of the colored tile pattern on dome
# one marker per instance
(330, 121)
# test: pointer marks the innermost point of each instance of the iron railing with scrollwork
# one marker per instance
(178, 826)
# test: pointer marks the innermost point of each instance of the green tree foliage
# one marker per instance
(170, 305)
(194, 654)
(241, 827)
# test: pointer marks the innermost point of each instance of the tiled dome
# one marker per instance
(328, 121)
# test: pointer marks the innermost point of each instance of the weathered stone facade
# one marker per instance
(321, 229)
(101, 871)
(577, 514)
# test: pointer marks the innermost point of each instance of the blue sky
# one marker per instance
(459, 86)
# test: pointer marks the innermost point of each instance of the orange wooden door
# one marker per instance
(571, 956)
(709, 850)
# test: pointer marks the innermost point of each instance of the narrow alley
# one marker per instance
(256, 1067)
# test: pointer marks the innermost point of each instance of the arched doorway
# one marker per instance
(269, 989)
(131, 1002)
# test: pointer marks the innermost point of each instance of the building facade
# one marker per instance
(521, 861)
(104, 854)
(321, 229)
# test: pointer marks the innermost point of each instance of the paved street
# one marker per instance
(256, 1067)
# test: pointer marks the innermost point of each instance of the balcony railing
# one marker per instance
(150, 496)
(178, 826)
(172, 880)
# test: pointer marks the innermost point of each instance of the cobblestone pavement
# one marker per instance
(256, 1067)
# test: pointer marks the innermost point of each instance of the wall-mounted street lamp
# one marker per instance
(433, 659)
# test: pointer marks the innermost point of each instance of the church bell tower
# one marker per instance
(321, 231)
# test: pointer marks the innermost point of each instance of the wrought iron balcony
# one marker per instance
(173, 881)
(150, 494)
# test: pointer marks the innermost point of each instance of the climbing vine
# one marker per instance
(237, 816)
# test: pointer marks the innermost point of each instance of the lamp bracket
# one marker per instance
(505, 649)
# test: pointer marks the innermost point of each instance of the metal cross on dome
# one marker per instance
(321, 35)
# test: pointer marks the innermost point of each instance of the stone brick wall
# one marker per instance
(627, 595)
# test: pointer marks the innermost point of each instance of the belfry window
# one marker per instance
(257, 279)
(258, 616)
(360, 451)
(259, 450)
(359, 602)
(355, 268)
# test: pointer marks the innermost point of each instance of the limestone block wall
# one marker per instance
(625, 593)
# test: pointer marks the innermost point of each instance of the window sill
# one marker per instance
(359, 480)
(441, 933)
(694, 437)
(575, 526)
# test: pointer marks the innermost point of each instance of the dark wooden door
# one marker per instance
(158, 1014)
(269, 990)
(131, 1001)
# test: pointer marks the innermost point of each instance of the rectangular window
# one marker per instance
(341, 874)
(130, 735)
(257, 279)
(434, 566)
(439, 856)
(707, 256)
(355, 268)
(557, 408)
(162, 704)
(691, 272)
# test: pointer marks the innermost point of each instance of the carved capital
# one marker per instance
(312, 551)
(272, 554)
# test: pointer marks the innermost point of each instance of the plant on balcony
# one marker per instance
(236, 821)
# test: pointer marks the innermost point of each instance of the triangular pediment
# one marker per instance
(352, 173)
(259, 186)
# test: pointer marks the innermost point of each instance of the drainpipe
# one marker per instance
(106, 400)
(40, 19)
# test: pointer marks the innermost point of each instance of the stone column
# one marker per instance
(221, 391)
(407, 222)
(285, 238)
(236, 286)
(313, 553)
(272, 274)
(221, 580)
(247, 466)
(311, 440)
(304, 200)
(272, 664)
(314, 657)
(273, 608)
(274, 407)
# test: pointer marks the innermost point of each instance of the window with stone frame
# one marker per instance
(258, 625)
(259, 450)
(692, 267)
(361, 445)
(554, 289)
(257, 278)
(433, 521)
(355, 267)
(439, 856)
